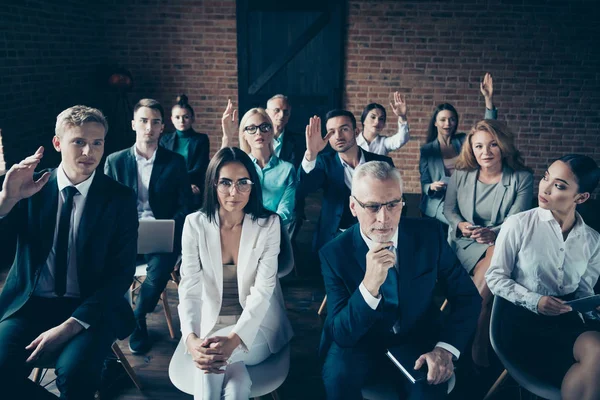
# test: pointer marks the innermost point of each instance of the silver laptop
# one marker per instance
(155, 236)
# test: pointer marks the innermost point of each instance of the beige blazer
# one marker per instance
(201, 287)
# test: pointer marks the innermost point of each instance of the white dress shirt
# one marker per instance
(382, 145)
(531, 259)
(144, 172)
(373, 302)
(308, 166)
(45, 285)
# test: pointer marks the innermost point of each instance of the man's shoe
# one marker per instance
(139, 341)
(113, 379)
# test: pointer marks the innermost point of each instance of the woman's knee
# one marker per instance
(237, 384)
(587, 349)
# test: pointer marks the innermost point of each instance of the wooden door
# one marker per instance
(295, 48)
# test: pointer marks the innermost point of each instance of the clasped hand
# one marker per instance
(439, 365)
(211, 354)
(480, 235)
(379, 260)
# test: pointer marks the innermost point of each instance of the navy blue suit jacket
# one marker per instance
(106, 251)
(328, 174)
(424, 258)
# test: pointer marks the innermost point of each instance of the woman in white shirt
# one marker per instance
(373, 120)
(544, 257)
(231, 307)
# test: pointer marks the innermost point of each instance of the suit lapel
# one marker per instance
(248, 240)
(95, 204)
(499, 193)
(169, 141)
(191, 158)
(471, 183)
(157, 168)
(438, 162)
(130, 172)
(213, 246)
(405, 264)
(48, 197)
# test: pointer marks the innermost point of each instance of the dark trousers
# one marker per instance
(78, 363)
(160, 266)
(348, 369)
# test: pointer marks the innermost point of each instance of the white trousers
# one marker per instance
(235, 383)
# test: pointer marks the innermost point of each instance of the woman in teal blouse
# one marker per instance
(277, 177)
(193, 146)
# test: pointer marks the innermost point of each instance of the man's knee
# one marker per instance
(344, 368)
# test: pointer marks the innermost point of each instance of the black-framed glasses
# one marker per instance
(243, 186)
(374, 208)
(264, 128)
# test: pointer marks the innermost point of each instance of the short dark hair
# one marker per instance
(432, 130)
(341, 113)
(211, 201)
(182, 101)
(370, 107)
(585, 169)
(150, 103)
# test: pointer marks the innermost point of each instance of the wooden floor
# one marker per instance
(303, 295)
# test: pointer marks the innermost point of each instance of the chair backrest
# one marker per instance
(155, 236)
(286, 254)
(527, 381)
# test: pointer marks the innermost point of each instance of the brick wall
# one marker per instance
(543, 56)
(48, 61)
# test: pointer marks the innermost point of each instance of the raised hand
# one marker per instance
(487, 90)
(399, 105)
(314, 142)
(19, 183)
(228, 124)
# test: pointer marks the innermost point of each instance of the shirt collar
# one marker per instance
(139, 157)
(280, 137)
(360, 139)
(546, 215)
(273, 161)
(360, 162)
(63, 181)
(371, 244)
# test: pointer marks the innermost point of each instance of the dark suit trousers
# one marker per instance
(160, 266)
(79, 362)
(348, 369)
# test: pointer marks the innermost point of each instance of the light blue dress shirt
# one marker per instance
(278, 182)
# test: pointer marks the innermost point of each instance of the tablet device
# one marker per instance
(404, 357)
(585, 304)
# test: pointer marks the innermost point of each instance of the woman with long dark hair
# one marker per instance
(441, 149)
(231, 307)
(544, 257)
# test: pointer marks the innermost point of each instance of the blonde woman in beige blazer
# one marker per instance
(489, 184)
(230, 321)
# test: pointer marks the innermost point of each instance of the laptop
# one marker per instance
(155, 236)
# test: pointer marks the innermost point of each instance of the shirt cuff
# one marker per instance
(84, 324)
(532, 301)
(308, 166)
(450, 348)
(371, 301)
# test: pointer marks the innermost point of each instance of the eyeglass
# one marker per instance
(251, 129)
(374, 208)
(243, 186)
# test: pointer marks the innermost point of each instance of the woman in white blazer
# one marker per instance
(231, 307)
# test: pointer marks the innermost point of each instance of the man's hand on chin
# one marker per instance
(53, 339)
(439, 365)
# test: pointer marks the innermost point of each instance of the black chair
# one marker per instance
(524, 379)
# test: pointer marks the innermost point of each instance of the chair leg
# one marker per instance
(275, 395)
(444, 305)
(37, 375)
(323, 304)
(123, 360)
(175, 279)
(496, 385)
(167, 311)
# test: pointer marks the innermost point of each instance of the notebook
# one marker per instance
(404, 357)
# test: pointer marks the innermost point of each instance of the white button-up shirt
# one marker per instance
(308, 166)
(45, 285)
(373, 302)
(384, 144)
(144, 172)
(531, 259)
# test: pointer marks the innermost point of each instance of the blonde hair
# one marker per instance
(502, 135)
(253, 111)
(77, 116)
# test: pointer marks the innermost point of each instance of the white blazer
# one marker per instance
(201, 286)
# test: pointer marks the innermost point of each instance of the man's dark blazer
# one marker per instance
(424, 258)
(197, 160)
(329, 175)
(293, 148)
(169, 191)
(106, 251)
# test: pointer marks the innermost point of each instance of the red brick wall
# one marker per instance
(48, 60)
(181, 47)
(544, 59)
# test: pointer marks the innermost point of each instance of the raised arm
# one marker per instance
(228, 125)
(487, 90)
(401, 137)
